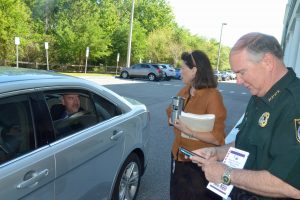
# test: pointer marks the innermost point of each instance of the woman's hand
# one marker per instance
(182, 127)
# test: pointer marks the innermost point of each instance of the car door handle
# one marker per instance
(116, 135)
(33, 179)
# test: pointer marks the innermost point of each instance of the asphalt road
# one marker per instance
(157, 96)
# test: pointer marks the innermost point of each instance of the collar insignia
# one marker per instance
(263, 120)
(297, 129)
(274, 95)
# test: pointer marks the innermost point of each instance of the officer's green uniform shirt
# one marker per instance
(270, 131)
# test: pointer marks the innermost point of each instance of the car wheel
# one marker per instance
(151, 77)
(128, 181)
(124, 75)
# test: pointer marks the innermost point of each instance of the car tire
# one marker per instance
(152, 77)
(124, 74)
(128, 181)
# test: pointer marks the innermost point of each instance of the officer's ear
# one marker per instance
(268, 61)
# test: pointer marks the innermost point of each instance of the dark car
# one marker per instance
(149, 71)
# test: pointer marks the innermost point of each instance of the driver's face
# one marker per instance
(71, 102)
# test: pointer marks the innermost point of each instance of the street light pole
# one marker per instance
(130, 36)
(219, 51)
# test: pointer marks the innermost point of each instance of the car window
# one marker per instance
(136, 66)
(145, 66)
(16, 127)
(92, 109)
(104, 108)
(71, 111)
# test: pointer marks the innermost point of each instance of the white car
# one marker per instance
(97, 153)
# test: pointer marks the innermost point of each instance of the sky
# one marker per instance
(205, 17)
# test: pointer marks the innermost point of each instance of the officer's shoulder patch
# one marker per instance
(297, 129)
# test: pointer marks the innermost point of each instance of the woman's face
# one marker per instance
(187, 74)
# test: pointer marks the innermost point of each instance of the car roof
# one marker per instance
(13, 74)
(14, 79)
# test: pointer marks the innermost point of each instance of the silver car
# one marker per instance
(100, 152)
(149, 71)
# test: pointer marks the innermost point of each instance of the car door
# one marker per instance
(27, 168)
(145, 70)
(135, 70)
(88, 159)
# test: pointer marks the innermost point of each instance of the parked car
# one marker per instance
(218, 75)
(169, 71)
(178, 73)
(144, 70)
(225, 76)
(232, 75)
(97, 153)
(228, 75)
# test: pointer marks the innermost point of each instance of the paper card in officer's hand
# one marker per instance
(234, 158)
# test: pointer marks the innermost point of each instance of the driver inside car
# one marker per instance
(70, 106)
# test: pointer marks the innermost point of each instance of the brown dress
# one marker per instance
(187, 179)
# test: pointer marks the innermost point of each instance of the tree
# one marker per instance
(14, 22)
(159, 42)
(154, 14)
(77, 28)
(102, 25)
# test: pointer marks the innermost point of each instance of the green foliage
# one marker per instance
(14, 22)
(78, 28)
(159, 42)
(102, 25)
(154, 14)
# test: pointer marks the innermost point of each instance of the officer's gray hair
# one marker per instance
(258, 44)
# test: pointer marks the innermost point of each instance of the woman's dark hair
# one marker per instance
(204, 77)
